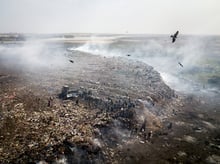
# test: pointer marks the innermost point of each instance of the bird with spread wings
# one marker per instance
(174, 36)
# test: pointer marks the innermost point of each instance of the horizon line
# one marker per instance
(100, 33)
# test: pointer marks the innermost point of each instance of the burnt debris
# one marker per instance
(110, 104)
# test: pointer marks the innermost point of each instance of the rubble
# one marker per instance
(214, 159)
(189, 139)
(74, 130)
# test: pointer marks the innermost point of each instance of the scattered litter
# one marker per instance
(189, 139)
(181, 154)
(213, 159)
(142, 142)
(209, 125)
(214, 146)
(198, 129)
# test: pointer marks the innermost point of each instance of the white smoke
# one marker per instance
(95, 47)
(158, 52)
(32, 55)
(164, 56)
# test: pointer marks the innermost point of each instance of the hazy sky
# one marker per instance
(110, 16)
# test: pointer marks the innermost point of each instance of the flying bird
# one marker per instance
(180, 64)
(71, 61)
(174, 36)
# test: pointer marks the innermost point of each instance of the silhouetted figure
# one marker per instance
(170, 125)
(71, 61)
(174, 36)
(143, 126)
(149, 135)
(77, 102)
(50, 101)
(180, 64)
(128, 55)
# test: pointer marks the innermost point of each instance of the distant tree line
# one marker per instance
(12, 37)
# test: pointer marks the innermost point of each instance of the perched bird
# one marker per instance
(180, 64)
(71, 61)
(174, 36)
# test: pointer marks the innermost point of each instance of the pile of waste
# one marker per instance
(105, 105)
(73, 126)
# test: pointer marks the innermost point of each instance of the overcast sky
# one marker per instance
(110, 16)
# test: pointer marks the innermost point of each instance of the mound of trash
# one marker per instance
(104, 106)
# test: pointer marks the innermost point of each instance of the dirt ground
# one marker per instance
(122, 113)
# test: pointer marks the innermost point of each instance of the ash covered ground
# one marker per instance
(116, 110)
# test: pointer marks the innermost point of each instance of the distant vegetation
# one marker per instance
(12, 37)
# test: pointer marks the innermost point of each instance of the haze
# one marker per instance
(115, 16)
